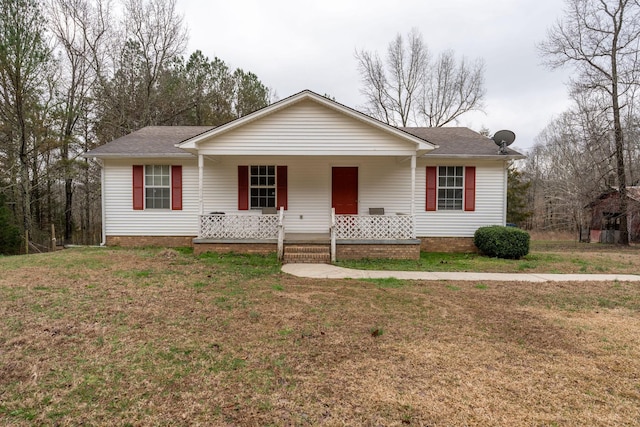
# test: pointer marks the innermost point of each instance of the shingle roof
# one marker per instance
(634, 193)
(457, 141)
(160, 141)
(150, 141)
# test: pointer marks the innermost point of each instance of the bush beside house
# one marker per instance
(502, 242)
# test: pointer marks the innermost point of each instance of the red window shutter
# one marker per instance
(138, 187)
(470, 188)
(176, 187)
(243, 188)
(281, 179)
(432, 188)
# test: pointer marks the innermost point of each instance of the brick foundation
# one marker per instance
(241, 248)
(344, 251)
(138, 241)
(448, 244)
(377, 251)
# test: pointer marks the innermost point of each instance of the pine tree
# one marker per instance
(517, 188)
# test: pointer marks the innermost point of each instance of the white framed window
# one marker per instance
(450, 188)
(157, 186)
(262, 187)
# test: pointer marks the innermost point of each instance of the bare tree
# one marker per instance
(409, 88)
(79, 32)
(159, 33)
(451, 89)
(600, 39)
(150, 40)
(566, 168)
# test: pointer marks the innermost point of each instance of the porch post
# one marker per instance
(413, 185)
(332, 231)
(200, 183)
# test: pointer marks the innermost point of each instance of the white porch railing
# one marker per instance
(370, 227)
(259, 227)
(374, 227)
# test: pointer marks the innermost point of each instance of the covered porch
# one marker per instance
(348, 236)
(327, 169)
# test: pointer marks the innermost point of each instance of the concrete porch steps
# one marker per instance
(307, 253)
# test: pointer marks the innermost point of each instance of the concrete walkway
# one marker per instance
(326, 271)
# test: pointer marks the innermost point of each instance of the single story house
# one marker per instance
(306, 176)
(605, 216)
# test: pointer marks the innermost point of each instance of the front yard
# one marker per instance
(160, 337)
(576, 258)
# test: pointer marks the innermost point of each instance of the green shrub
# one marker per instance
(502, 242)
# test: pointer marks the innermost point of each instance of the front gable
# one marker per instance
(307, 124)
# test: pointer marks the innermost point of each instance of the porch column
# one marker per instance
(200, 183)
(413, 185)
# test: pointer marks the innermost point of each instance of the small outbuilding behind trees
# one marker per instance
(606, 215)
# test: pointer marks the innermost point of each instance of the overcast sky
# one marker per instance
(296, 45)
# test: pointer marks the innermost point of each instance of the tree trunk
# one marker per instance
(68, 217)
(619, 141)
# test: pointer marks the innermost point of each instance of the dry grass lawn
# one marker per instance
(156, 337)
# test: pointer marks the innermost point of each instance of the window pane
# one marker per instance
(157, 198)
(165, 199)
(450, 184)
(263, 189)
(157, 186)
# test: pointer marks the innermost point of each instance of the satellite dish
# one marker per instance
(503, 139)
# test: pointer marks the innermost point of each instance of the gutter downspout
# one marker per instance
(506, 189)
(103, 208)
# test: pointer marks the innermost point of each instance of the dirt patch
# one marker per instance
(150, 337)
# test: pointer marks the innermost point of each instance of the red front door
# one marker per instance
(344, 190)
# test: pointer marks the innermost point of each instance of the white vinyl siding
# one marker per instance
(489, 208)
(383, 182)
(307, 129)
(122, 220)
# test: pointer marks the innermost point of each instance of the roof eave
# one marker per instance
(477, 156)
(89, 155)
